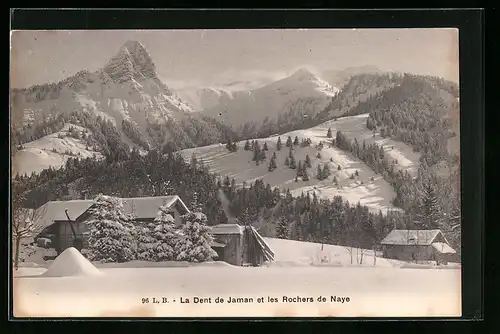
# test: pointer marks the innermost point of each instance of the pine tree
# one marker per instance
(293, 163)
(145, 242)
(430, 211)
(274, 155)
(305, 176)
(318, 155)
(288, 142)
(109, 238)
(287, 161)
(326, 171)
(339, 168)
(194, 245)
(356, 173)
(272, 164)
(278, 145)
(229, 145)
(299, 168)
(165, 235)
(329, 133)
(296, 141)
(256, 152)
(319, 173)
(265, 146)
(308, 161)
(282, 230)
(247, 146)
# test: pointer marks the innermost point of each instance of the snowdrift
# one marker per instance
(164, 264)
(71, 263)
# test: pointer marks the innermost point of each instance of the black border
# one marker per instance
(470, 25)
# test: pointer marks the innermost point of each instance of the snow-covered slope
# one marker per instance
(205, 98)
(302, 91)
(368, 188)
(125, 88)
(51, 151)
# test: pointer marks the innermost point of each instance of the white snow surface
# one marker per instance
(301, 91)
(71, 263)
(39, 154)
(376, 194)
(373, 291)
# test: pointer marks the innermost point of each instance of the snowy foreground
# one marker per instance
(288, 287)
(368, 188)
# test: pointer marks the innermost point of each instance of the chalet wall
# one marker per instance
(232, 251)
(409, 252)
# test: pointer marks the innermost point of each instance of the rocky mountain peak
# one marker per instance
(131, 62)
(303, 74)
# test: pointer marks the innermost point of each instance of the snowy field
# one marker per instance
(50, 151)
(368, 188)
(72, 287)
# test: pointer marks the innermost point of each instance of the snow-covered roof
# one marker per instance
(411, 237)
(443, 248)
(141, 207)
(147, 207)
(227, 229)
(53, 211)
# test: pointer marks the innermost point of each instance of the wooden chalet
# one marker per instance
(417, 245)
(52, 221)
(234, 244)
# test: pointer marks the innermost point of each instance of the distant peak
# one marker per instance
(303, 74)
(131, 62)
(133, 47)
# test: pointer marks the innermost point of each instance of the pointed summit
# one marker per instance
(132, 62)
(303, 74)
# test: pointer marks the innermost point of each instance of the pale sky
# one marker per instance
(202, 57)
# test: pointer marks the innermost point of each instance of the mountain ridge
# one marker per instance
(302, 90)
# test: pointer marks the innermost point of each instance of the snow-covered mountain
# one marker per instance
(206, 97)
(127, 87)
(300, 91)
(339, 77)
(127, 92)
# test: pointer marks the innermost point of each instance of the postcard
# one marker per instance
(235, 173)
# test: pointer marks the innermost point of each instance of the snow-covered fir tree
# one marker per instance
(194, 245)
(278, 144)
(282, 229)
(319, 173)
(165, 235)
(308, 161)
(109, 238)
(430, 211)
(145, 242)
